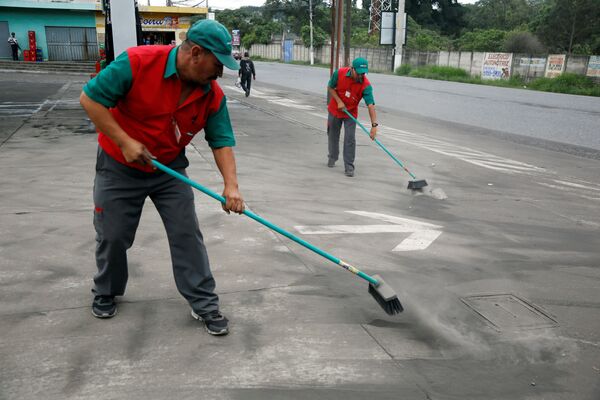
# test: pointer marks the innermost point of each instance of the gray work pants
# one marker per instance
(119, 194)
(334, 127)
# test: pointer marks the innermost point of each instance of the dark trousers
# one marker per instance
(334, 128)
(119, 195)
(15, 52)
(246, 82)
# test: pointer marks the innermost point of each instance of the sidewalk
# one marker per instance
(290, 338)
(301, 327)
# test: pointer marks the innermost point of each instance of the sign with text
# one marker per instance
(235, 37)
(555, 65)
(593, 69)
(496, 66)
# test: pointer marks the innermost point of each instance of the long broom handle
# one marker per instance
(380, 144)
(268, 224)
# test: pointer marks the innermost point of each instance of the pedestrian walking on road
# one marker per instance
(14, 46)
(149, 104)
(246, 73)
(347, 86)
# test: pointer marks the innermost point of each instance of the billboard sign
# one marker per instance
(496, 66)
(235, 37)
(593, 69)
(388, 28)
(555, 65)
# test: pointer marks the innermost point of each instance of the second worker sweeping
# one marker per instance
(347, 86)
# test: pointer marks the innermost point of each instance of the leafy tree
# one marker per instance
(499, 14)
(419, 38)
(482, 40)
(569, 25)
(319, 36)
(523, 42)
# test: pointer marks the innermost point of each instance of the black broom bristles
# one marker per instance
(385, 296)
(420, 184)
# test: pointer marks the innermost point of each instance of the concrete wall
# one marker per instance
(380, 59)
(525, 65)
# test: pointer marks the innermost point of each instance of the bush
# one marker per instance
(444, 73)
(523, 42)
(490, 40)
(403, 70)
(567, 83)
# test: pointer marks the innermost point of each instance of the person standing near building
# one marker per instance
(246, 73)
(14, 46)
(347, 86)
(149, 104)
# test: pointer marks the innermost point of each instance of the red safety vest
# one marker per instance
(350, 91)
(149, 113)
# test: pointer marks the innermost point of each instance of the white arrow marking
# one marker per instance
(422, 233)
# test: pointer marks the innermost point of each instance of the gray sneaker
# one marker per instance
(331, 163)
(216, 324)
(104, 307)
(349, 173)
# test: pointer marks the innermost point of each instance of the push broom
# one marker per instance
(385, 296)
(415, 184)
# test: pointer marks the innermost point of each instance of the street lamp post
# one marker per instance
(312, 53)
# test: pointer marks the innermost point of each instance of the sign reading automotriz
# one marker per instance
(496, 66)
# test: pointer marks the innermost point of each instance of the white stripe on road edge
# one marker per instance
(422, 234)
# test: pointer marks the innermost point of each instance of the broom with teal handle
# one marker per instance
(385, 296)
(415, 184)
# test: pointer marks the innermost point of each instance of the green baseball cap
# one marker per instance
(361, 65)
(213, 36)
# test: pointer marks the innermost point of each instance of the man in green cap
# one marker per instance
(149, 104)
(347, 86)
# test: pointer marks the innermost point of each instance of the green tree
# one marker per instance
(523, 42)
(419, 38)
(491, 40)
(569, 25)
(499, 14)
(319, 36)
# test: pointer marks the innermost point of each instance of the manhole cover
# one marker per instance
(507, 311)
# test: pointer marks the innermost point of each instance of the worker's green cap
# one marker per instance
(361, 65)
(213, 36)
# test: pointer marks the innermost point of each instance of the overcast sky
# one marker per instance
(223, 4)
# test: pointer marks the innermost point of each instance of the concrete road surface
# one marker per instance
(496, 263)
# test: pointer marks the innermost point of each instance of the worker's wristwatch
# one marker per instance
(374, 124)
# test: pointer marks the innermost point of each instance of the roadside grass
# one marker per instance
(565, 83)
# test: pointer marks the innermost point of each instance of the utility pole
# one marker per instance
(340, 20)
(400, 28)
(310, 13)
(332, 46)
(347, 29)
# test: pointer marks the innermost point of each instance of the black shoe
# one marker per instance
(349, 173)
(104, 307)
(247, 93)
(216, 323)
(331, 163)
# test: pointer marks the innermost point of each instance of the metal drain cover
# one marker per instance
(507, 311)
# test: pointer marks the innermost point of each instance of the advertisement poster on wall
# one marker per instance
(496, 66)
(594, 67)
(235, 37)
(555, 65)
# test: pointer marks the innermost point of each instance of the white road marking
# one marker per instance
(276, 99)
(422, 234)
